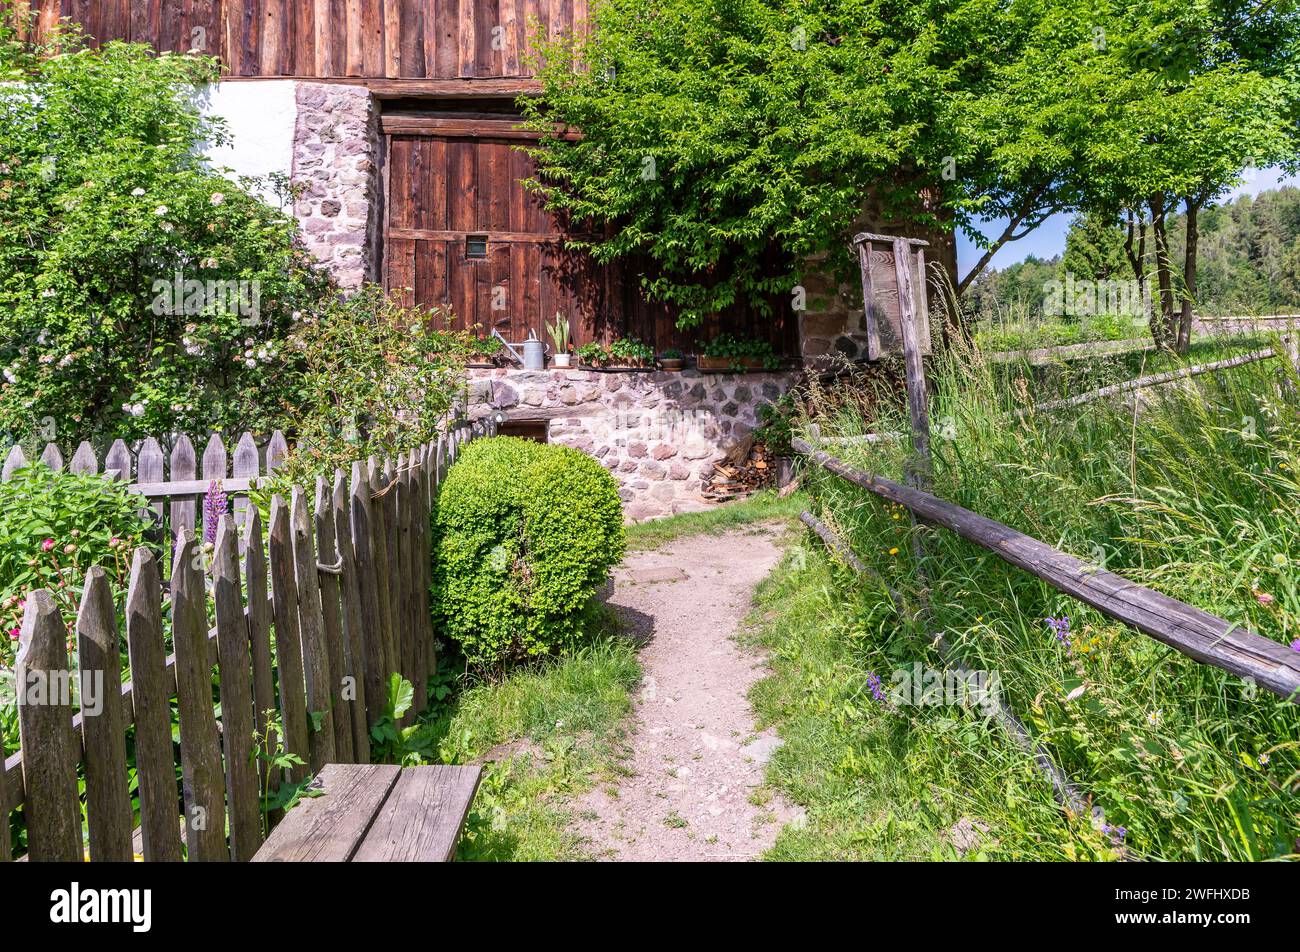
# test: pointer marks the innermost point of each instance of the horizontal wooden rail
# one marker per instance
(1151, 380)
(1196, 633)
(198, 487)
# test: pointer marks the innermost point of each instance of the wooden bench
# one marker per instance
(376, 813)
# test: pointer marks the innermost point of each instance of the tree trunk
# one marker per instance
(1162, 321)
(1184, 341)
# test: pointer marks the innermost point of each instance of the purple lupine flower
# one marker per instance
(877, 689)
(214, 507)
(1295, 645)
(1061, 629)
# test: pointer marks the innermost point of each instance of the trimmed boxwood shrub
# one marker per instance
(524, 534)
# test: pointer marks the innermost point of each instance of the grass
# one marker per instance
(1195, 495)
(880, 781)
(763, 506)
(554, 731)
(1022, 334)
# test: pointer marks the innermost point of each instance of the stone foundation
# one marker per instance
(658, 433)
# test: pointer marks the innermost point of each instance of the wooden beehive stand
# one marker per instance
(313, 614)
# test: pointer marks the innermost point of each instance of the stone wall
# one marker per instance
(337, 154)
(658, 433)
(834, 326)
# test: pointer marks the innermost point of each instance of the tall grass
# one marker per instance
(1192, 490)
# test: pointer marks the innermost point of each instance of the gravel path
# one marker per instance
(694, 757)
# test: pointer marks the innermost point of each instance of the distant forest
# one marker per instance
(1249, 261)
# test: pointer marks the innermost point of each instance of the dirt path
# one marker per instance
(694, 757)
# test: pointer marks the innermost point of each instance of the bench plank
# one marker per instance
(421, 820)
(330, 827)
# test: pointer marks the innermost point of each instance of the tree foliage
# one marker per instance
(729, 141)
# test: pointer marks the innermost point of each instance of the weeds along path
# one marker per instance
(694, 759)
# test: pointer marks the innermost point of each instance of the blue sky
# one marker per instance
(1048, 239)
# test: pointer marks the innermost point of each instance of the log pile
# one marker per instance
(747, 467)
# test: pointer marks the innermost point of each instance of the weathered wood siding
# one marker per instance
(456, 176)
(371, 39)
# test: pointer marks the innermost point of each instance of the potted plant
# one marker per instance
(485, 352)
(559, 333)
(631, 353)
(672, 360)
(727, 352)
(593, 355)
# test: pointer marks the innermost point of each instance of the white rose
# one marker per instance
(217, 198)
(137, 192)
(160, 210)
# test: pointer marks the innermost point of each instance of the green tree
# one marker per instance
(1192, 95)
(731, 141)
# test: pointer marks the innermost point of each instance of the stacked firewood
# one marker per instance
(747, 467)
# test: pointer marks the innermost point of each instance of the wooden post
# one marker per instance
(259, 641)
(315, 654)
(918, 398)
(288, 643)
(108, 804)
(46, 736)
(203, 779)
(150, 699)
(236, 695)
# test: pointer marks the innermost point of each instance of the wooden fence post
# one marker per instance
(45, 730)
(259, 641)
(288, 644)
(108, 804)
(203, 780)
(151, 701)
(379, 552)
(236, 695)
(315, 655)
(353, 630)
(332, 619)
(183, 468)
(363, 536)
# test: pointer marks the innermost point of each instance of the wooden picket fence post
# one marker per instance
(340, 580)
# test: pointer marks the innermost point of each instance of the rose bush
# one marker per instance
(141, 291)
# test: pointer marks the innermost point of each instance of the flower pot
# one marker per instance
(671, 364)
(561, 360)
(713, 364)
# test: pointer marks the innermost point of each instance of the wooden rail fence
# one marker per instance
(1196, 633)
(301, 624)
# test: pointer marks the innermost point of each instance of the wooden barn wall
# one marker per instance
(368, 39)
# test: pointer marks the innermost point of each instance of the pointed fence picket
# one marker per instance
(340, 580)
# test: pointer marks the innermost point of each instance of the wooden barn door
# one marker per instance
(463, 233)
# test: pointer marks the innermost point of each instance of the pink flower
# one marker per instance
(14, 632)
(1264, 598)
(47, 545)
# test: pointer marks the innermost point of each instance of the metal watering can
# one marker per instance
(534, 350)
